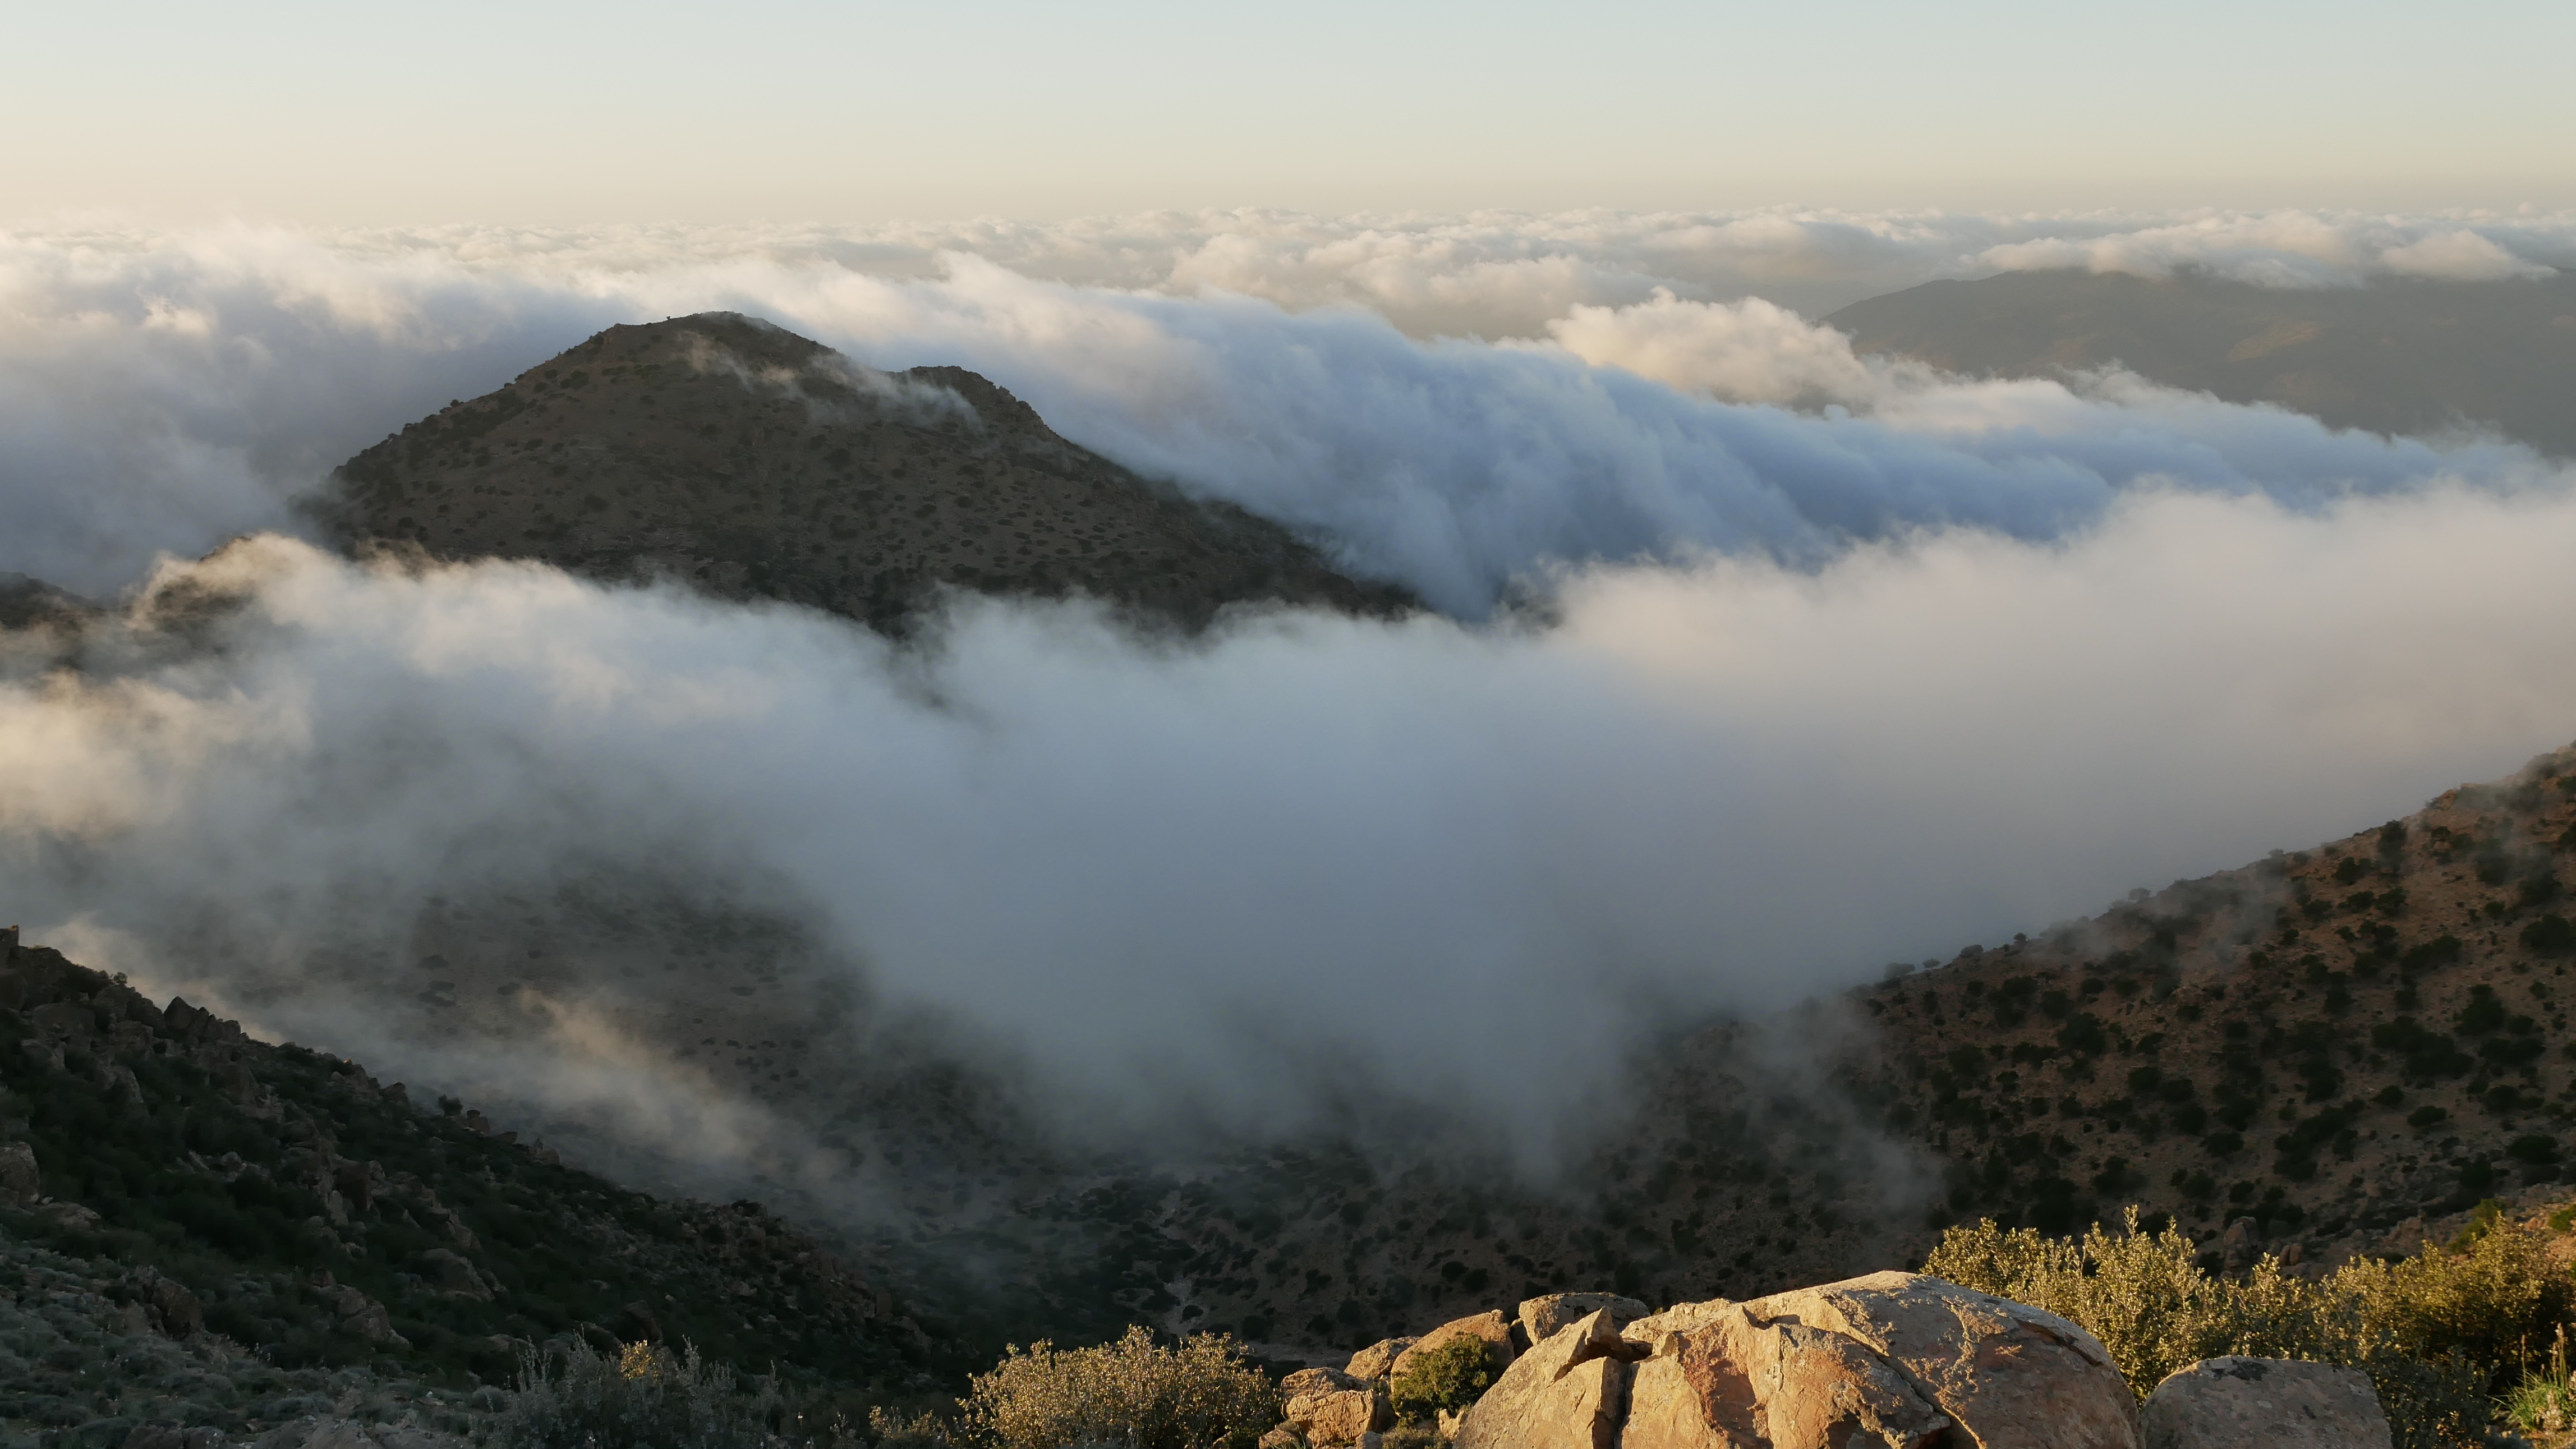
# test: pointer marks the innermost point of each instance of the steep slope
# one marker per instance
(2325, 1053)
(2398, 356)
(156, 1157)
(755, 463)
(2341, 1044)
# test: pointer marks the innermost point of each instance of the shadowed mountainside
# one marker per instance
(184, 1179)
(2397, 356)
(752, 462)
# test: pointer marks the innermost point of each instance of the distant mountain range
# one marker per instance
(2399, 356)
(753, 463)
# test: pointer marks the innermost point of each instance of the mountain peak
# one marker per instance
(753, 462)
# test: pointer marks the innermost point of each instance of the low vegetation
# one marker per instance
(1201, 1394)
(645, 1396)
(1449, 1377)
(2437, 1332)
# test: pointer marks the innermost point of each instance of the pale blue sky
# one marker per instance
(800, 110)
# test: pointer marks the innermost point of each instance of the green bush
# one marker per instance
(1134, 1393)
(1452, 1376)
(644, 1397)
(2431, 1331)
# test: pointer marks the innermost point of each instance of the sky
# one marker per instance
(850, 112)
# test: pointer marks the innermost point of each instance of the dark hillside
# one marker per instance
(757, 464)
(2397, 356)
(286, 1201)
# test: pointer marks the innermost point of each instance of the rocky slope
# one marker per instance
(754, 463)
(265, 1217)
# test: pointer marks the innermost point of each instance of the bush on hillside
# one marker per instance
(1134, 1393)
(2432, 1331)
(1452, 1376)
(643, 1397)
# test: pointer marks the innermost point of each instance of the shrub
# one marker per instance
(1133, 1392)
(1452, 1376)
(2429, 1331)
(646, 1397)
(2549, 936)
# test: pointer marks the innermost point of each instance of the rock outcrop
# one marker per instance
(1892, 1360)
(2243, 1403)
(2009, 1374)
(1541, 1317)
(1570, 1392)
(1738, 1380)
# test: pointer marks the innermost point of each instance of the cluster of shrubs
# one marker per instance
(2438, 1333)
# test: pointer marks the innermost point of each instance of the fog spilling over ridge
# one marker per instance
(165, 392)
(1759, 662)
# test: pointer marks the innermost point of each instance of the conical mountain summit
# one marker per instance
(753, 462)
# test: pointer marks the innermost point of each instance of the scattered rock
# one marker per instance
(2243, 1403)
(1541, 1317)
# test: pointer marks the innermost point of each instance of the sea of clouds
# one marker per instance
(1834, 660)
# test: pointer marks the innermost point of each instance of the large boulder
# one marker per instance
(2274, 1403)
(1732, 1382)
(21, 1180)
(1570, 1392)
(1377, 1361)
(2011, 1376)
(1543, 1316)
(1304, 1381)
(1342, 1417)
(1492, 1327)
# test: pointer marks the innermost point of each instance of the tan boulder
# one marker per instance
(1733, 1383)
(2011, 1376)
(1541, 1317)
(2241, 1403)
(1283, 1437)
(1680, 1318)
(1377, 1361)
(1341, 1416)
(1316, 1381)
(1491, 1326)
(1570, 1392)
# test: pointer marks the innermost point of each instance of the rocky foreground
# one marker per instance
(1894, 1359)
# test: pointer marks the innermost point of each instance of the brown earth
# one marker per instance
(753, 463)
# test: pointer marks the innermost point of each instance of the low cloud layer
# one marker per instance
(1456, 866)
(1843, 661)
(175, 390)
